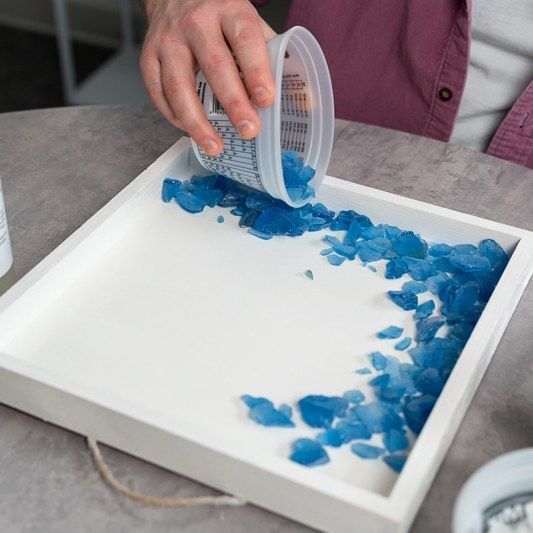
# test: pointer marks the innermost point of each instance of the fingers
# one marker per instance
(268, 32)
(151, 73)
(179, 89)
(218, 65)
(201, 33)
(245, 37)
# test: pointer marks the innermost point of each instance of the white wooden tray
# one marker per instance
(146, 325)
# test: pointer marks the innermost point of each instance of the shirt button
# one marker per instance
(445, 94)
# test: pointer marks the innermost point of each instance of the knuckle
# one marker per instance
(149, 49)
(153, 86)
(234, 5)
(147, 58)
(144, 66)
(245, 33)
(215, 64)
(143, 60)
(232, 103)
(173, 88)
(194, 17)
(154, 89)
(169, 38)
(253, 74)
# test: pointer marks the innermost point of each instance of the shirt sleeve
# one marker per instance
(514, 138)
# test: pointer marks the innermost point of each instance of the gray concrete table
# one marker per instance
(59, 166)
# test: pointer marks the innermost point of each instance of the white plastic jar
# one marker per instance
(498, 498)
(6, 255)
(301, 119)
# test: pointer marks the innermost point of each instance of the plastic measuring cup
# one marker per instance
(301, 119)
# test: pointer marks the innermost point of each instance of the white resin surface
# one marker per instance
(202, 313)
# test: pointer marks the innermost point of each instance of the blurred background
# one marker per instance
(77, 52)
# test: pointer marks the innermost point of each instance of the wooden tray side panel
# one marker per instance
(187, 458)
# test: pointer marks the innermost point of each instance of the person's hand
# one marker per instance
(187, 34)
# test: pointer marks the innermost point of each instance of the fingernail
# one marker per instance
(210, 147)
(246, 128)
(261, 94)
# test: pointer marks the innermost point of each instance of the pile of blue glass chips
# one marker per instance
(461, 277)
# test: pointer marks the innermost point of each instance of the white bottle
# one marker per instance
(6, 256)
(498, 498)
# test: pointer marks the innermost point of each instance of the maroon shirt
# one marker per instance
(402, 64)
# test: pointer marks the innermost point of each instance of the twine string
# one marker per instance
(111, 480)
